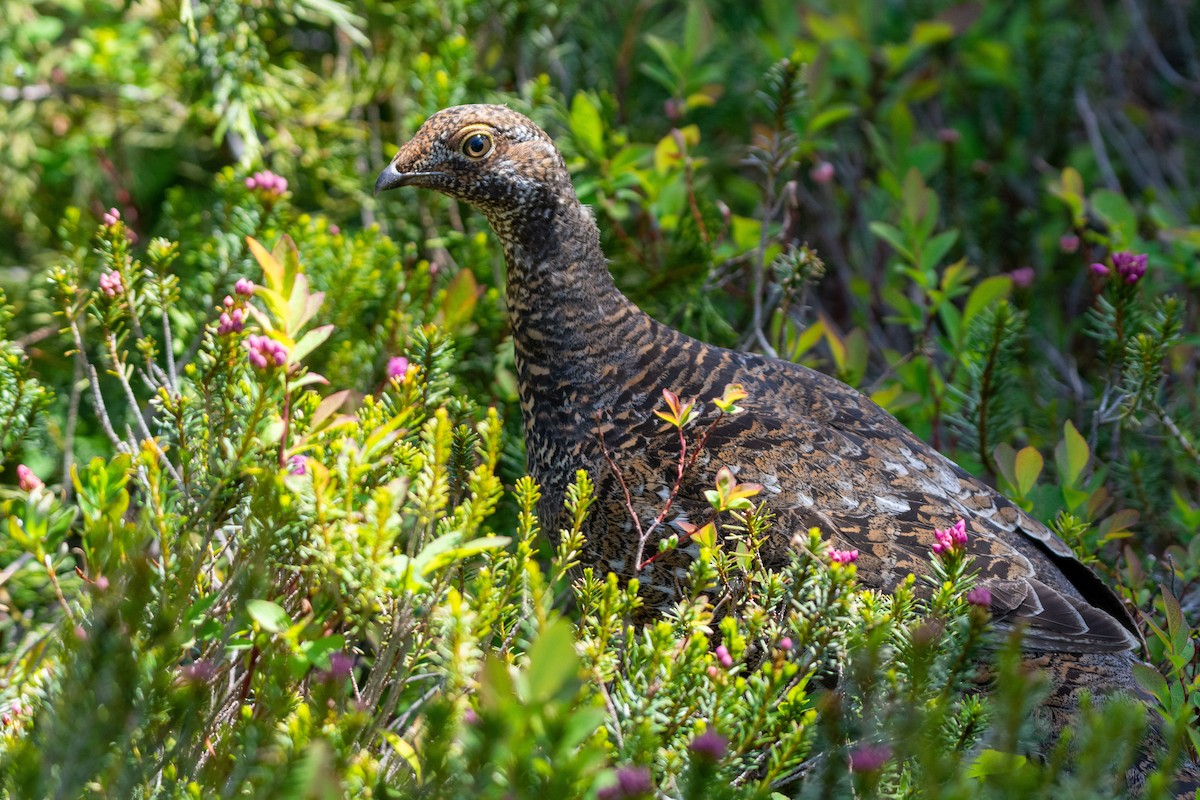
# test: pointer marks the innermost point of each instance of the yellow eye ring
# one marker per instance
(477, 145)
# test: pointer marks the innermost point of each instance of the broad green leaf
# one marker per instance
(309, 342)
(830, 116)
(936, 249)
(985, 293)
(1117, 213)
(1150, 680)
(1071, 454)
(552, 664)
(893, 236)
(405, 751)
(587, 126)
(1029, 465)
(272, 269)
(270, 616)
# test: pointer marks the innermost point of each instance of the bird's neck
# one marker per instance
(574, 334)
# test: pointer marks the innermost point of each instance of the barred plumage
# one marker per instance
(589, 362)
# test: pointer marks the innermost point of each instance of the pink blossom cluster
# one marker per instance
(232, 321)
(111, 284)
(268, 183)
(953, 538)
(111, 217)
(397, 367)
(723, 656)
(244, 287)
(869, 757)
(843, 556)
(980, 596)
(265, 352)
(27, 480)
(1130, 267)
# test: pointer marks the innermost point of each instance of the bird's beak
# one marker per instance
(391, 177)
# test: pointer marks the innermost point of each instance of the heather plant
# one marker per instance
(263, 528)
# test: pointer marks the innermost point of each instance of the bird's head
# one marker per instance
(488, 156)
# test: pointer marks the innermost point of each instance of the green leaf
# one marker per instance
(1118, 215)
(587, 126)
(936, 249)
(446, 550)
(552, 664)
(994, 762)
(318, 652)
(1029, 465)
(830, 116)
(893, 236)
(458, 303)
(309, 342)
(1150, 680)
(1072, 454)
(270, 616)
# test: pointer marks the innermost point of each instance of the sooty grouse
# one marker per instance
(589, 362)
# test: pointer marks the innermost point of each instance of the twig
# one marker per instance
(1095, 138)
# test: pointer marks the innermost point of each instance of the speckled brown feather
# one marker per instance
(589, 361)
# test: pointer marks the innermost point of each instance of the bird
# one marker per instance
(591, 367)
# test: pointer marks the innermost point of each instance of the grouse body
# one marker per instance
(591, 369)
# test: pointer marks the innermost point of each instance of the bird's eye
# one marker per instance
(477, 145)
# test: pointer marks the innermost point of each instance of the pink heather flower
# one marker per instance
(723, 656)
(110, 283)
(631, 782)
(785, 643)
(952, 538)
(843, 556)
(397, 367)
(334, 230)
(948, 135)
(27, 480)
(228, 301)
(1022, 277)
(1130, 267)
(232, 321)
(112, 217)
(869, 757)
(1068, 243)
(470, 717)
(101, 584)
(297, 465)
(980, 596)
(198, 672)
(268, 183)
(1099, 269)
(243, 287)
(822, 173)
(265, 351)
(709, 746)
(341, 665)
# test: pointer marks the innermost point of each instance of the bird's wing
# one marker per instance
(852, 470)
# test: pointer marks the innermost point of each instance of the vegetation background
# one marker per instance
(262, 526)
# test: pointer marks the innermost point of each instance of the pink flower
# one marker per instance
(232, 321)
(397, 367)
(869, 757)
(265, 351)
(1022, 277)
(334, 230)
(243, 287)
(297, 465)
(843, 556)
(953, 538)
(267, 183)
(110, 283)
(723, 656)
(709, 746)
(980, 596)
(631, 782)
(1130, 267)
(111, 217)
(822, 172)
(27, 480)
(948, 136)
(1068, 243)
(1099, 269)
(785, 643)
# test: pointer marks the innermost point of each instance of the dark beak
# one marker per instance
(391, 177)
